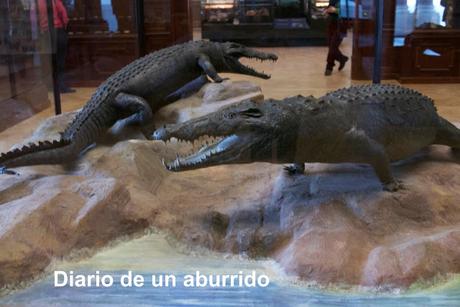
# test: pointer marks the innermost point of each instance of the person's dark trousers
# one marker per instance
(61, 52)
(336, 33)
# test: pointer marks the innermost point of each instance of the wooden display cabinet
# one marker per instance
(417, 47)
(431, 56)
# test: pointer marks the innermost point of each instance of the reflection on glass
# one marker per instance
(100, 16)
(428, 14)
(317, 8)
(431, 52)
(102, 39)
(108, 15)
(157, 16)
(422, 14)
(218, 10)
(23, 73)
(290, 9)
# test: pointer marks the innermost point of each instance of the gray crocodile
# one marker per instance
(134, 93)
(372, 124)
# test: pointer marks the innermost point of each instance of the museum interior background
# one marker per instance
(421, 39)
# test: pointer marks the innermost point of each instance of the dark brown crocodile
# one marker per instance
(133, 94)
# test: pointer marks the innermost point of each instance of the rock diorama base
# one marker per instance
(333, 225)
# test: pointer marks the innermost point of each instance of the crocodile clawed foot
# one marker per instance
(294, 169)
(5, 171)
(393, 186)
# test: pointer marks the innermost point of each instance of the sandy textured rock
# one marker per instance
(214, 92)
(210, 98)
(333, 225)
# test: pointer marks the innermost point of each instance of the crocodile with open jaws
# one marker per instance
(372, 124)
(134, 93)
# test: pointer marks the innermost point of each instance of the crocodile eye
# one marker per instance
(230, 115)
(251, 112)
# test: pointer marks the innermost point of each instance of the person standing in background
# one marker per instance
(60, 20)
(337, 30)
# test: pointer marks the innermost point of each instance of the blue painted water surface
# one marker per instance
(153, 255)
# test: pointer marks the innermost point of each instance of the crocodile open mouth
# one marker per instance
(233, 59)
(246, 69)
(207, 151)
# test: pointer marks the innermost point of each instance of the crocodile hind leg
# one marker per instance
(449, 135)
(359, 148)
(140, 113)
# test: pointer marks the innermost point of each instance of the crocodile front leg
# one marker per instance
(205, 63)
(188, 89)
(140, 110)
(295, 168)
(6, 171)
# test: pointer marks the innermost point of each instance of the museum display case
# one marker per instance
(269, 22)
(427, 35)
(421, 41)
(195, 172)
(256, 11)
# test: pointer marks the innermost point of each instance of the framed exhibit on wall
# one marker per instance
(229, 153)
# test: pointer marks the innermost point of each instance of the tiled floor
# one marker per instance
(299, 70)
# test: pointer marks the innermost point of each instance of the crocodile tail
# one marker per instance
(448, 134)
(46, 152)
(82, 132)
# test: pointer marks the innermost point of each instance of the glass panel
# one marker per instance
(364, 40)
(25, 66)
(262, 179)
(256, 11)
(426, 14)
(102, 38)
(157, 16)
(157, 24)
(426, 35)
(219, 11)
(257, 21)
(102, 16)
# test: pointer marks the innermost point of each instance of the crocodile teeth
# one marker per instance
(214, 145)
